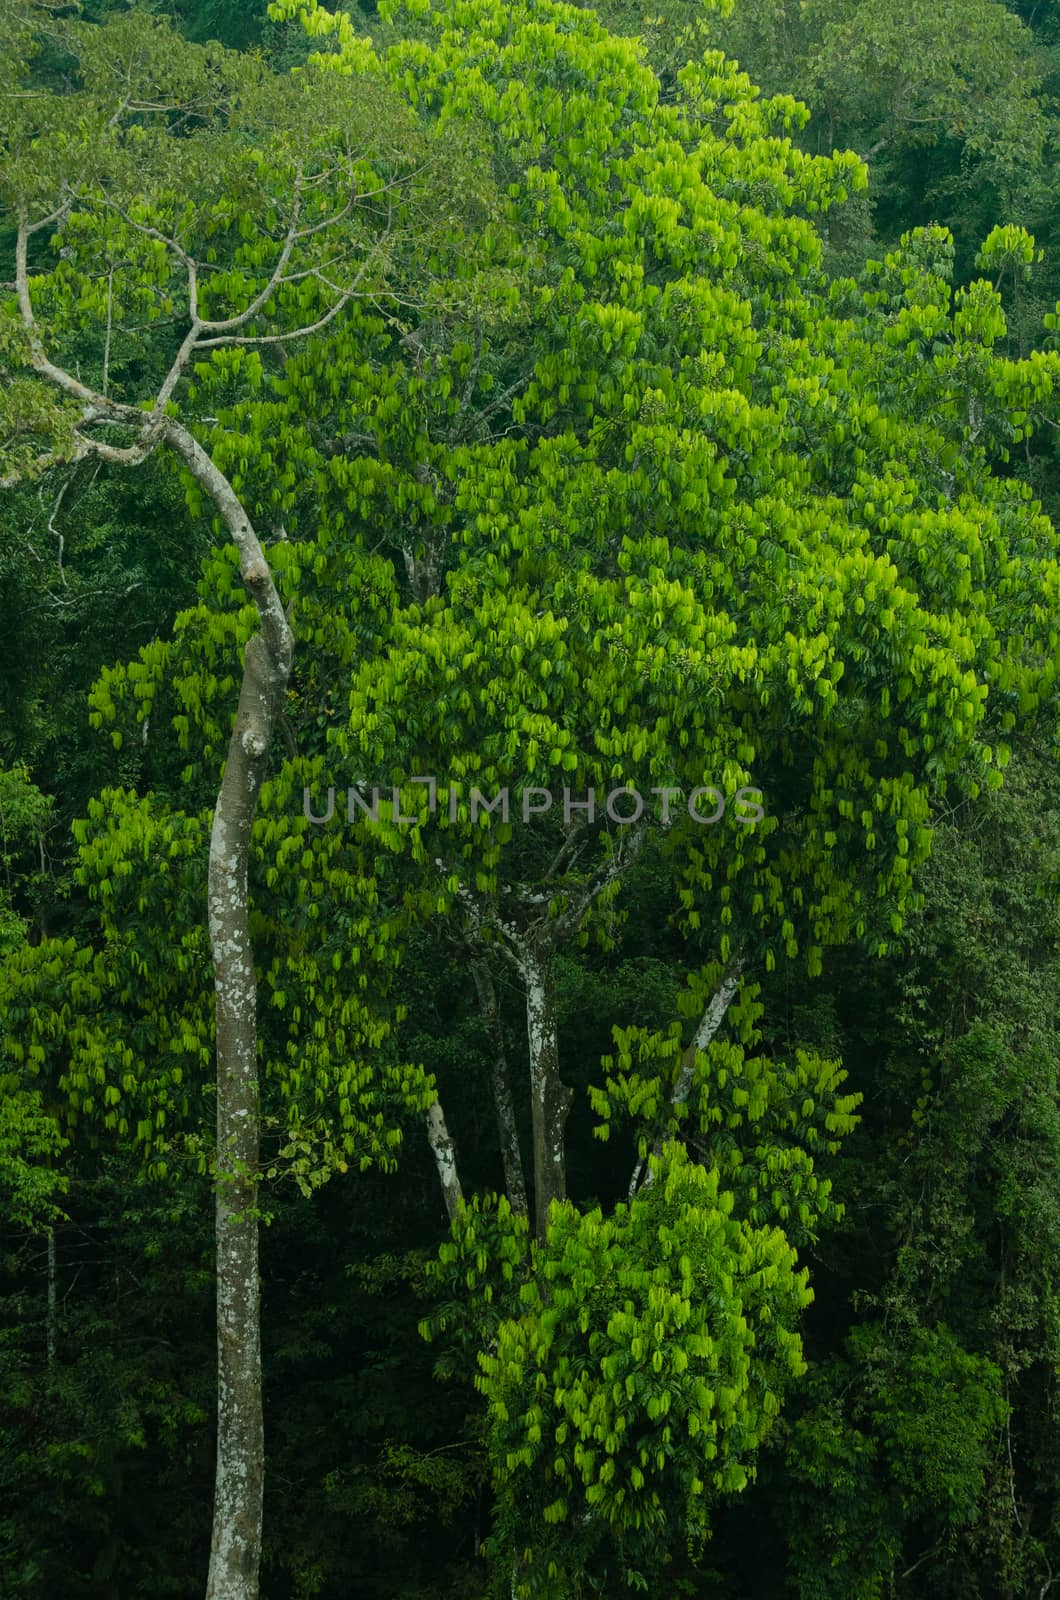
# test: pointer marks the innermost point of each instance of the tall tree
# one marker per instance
(800, 528)
(191, 195)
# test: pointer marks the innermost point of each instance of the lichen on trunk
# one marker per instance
(236, 1543)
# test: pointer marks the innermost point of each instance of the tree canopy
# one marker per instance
(596, 601)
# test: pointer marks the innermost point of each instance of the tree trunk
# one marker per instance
(52, 1323)
(441, 1143)
(550, 1099)
(235, 1550)
(236, 1544)
(507, 1127)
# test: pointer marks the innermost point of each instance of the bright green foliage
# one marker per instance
(30, 1143)
(693, 514)
(125, 1033)
(30, 1137)
(713, 482)
(161, 230)
(759, 1124)
(646, 1434)
(630, 1373)
(594, 698)
(336, 1091)
(483, 1264)
(643, 1369)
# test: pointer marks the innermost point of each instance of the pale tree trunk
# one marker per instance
(531, 951)
(235, 1550)
(236, 1542)
(507, 1127)
(444, 1151)
(550, 1098)
(709, 1023)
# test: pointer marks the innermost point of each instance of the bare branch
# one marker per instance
(254, 569)
(69, 385)
(575, 840)
(187, 261)
(275, 338)
(336, 218)
(110, 325)
(241, 318)
(709, 1023)
(52, 217)
(52, 529)
(935, 1548)
(612, 869)
(504, 1105)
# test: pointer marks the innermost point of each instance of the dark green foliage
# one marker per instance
(922, 1456)
(105, 1449)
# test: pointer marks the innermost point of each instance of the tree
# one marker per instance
(150, 173)
(944, 102)
(785, 520)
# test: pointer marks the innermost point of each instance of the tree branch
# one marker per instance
(98, 404)
(507, 1126)
(602, 879)
(711, 1020)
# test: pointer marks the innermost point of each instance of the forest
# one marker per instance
(529, 803)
